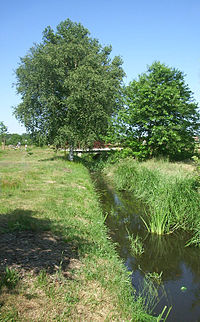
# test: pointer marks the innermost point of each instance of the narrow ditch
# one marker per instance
(172, 269)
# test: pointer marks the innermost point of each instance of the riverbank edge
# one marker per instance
(169, 192)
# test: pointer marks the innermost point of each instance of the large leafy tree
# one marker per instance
(160, 116)
(69, 86)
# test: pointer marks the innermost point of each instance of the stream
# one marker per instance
(178, 266)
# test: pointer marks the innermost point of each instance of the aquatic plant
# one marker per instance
(150, 295)
(154, 277)
(137, 248)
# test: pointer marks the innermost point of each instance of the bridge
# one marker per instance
(95, 150)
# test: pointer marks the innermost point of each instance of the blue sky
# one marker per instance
(139, 31)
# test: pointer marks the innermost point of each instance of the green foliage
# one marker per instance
(149, 293)
(14, 138)
(10, 278)
(160, 116)
(42, 279)
(69, 86)
(195, 240)
(99, 161)
(196, 160)
(9, 315)
(154, 277)
(117, 155)
(125, 153)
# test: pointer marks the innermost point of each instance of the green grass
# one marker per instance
(42, 192)
(169, 192)
(9, 279)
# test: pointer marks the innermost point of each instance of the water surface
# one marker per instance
(166, 255)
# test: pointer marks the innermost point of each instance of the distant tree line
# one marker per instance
(13, 138)
(73, 91)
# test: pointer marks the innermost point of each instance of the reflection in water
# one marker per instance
(180, 266)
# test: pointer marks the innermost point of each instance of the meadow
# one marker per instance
(57, 262)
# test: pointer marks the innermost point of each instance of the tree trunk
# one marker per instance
(4, 143)
(71, 153)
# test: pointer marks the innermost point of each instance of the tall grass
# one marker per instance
(171, 196)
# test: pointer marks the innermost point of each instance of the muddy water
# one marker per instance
(179, 266)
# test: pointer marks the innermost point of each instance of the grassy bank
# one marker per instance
(57, 262)
(169, 191)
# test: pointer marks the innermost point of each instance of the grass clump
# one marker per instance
(10, 278)
(169, 192)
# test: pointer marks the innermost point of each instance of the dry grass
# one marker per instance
(170, 168)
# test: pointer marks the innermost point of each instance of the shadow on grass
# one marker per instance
(94, 162)
(20, 219)
(28, 244)
(54, 158)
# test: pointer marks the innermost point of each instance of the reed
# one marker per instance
(170, 196)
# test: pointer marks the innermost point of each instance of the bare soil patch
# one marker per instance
(34, 251)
